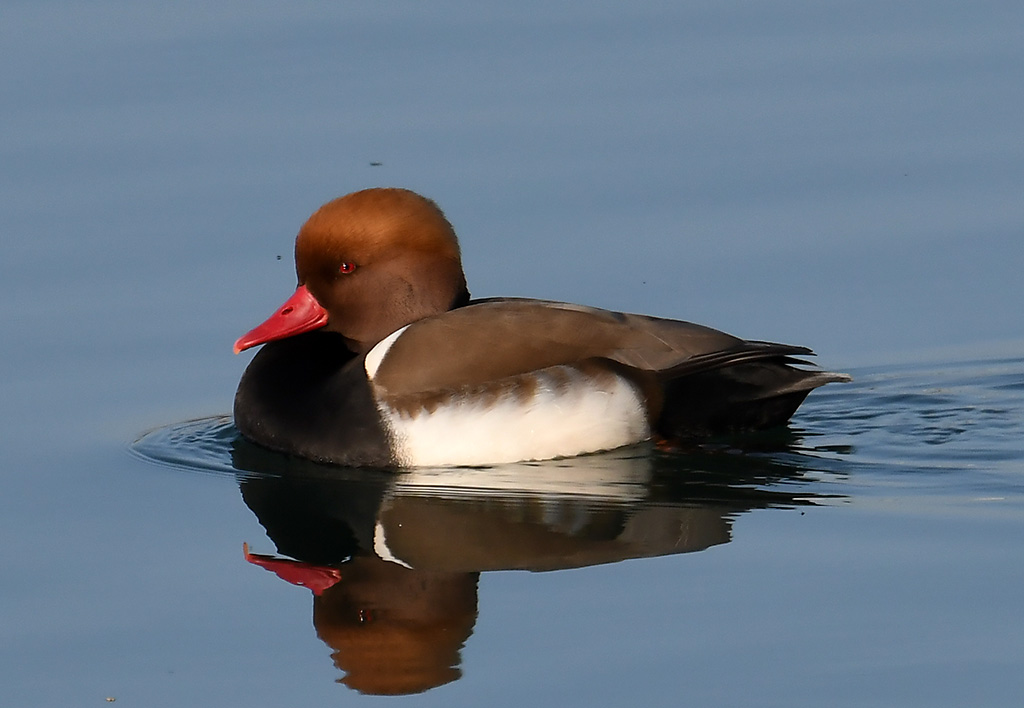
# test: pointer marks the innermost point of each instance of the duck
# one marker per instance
(380, 358)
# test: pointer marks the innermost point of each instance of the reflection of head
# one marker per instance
(395, 630)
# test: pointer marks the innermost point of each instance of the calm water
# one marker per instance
(846, 176)
(884, 531)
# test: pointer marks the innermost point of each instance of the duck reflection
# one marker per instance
(394, 559)
(394, 630)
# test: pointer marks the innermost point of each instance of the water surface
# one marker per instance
(845, 176)
(882, 529)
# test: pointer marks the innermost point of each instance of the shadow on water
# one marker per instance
(393, 558)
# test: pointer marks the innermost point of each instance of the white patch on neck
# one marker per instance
(376, 355)
(558, 421)
(380, 546)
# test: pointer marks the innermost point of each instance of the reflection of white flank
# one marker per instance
(380, 547)
(560, 420)
(620, 475)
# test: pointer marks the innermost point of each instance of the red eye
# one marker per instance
(346, 268)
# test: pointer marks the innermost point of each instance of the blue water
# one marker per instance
(846, 176)
(874, 549)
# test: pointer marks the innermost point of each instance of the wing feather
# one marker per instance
(489, 340)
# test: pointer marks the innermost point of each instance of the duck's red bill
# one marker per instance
(301, 313)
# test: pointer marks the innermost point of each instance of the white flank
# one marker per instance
(559, 421)
(376, 355)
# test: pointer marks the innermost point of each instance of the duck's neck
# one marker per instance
(362, 346)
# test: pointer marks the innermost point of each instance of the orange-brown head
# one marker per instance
(367, 264)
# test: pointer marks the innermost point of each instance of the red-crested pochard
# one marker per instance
(380, 358)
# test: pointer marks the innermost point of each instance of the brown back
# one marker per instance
(492, 339)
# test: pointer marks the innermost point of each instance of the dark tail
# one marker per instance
(758, 385)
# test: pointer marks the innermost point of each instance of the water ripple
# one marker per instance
(921, 428)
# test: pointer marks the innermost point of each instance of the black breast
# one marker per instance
(308, 395)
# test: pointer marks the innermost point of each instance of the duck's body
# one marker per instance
(382, 359)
